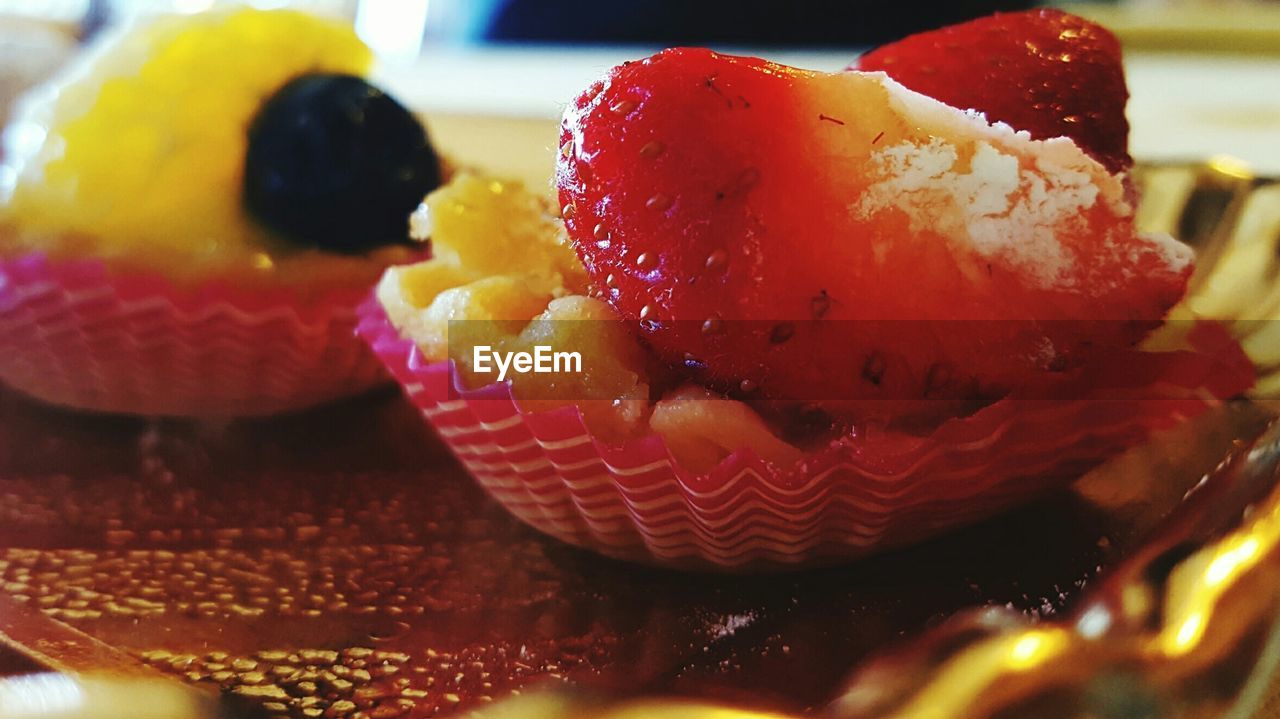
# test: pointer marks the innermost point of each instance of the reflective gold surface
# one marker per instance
(1185, 628)
(1232, 218)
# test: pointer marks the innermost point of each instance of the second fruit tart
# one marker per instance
(829, 314)
(192, 212)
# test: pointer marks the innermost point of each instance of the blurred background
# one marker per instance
(489, 75)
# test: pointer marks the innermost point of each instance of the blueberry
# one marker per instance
(336, 163)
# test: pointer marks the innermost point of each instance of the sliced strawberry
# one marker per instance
(830, 237)
(1050, 73)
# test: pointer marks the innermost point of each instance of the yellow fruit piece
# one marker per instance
(497, 254)
(485, 311)
(702, 428)
(490, 227)
(611, 389)
(503, 275)
(145, 142)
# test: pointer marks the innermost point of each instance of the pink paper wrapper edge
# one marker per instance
(633, 501)
(76, 334)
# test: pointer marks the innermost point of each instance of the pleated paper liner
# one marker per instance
(634, 501)
(76, 334)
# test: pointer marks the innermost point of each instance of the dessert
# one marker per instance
(846, 315)
(194, 210)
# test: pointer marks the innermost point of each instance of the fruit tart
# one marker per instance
(818, 315)
(193, 212)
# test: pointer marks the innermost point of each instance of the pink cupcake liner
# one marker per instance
(73, 333)
(634, 501)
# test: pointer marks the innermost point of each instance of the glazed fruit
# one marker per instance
(335, 163)
(1050, 73)
(140, 154)
(837, 239)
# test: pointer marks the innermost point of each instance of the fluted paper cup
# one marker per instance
(634, 501)
(74, 333)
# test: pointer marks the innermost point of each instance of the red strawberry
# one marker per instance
(788, 231)
(1044, 71)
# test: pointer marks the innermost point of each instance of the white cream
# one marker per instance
(997, 206)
